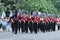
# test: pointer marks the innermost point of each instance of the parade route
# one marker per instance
(29, 19)
(28, 36)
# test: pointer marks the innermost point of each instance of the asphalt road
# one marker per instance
(28, 36)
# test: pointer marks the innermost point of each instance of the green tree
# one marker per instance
(31, 5)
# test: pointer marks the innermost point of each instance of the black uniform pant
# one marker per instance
(12, 26)
(0, 26)
(35, 27)
(53, 28)
(15, 26)
(26, 26)
(39, 26)
(31, 27)
(22, 26)
(58, 27)
(19, 26)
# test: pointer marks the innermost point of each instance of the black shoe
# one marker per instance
(15, 33)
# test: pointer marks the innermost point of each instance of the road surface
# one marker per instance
(28, 36)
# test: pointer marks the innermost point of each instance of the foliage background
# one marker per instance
(46, 6)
